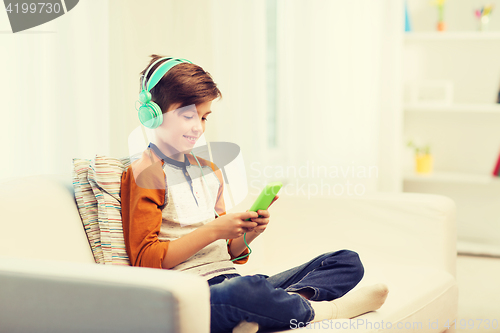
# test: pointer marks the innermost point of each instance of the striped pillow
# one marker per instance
(104, 179)
(87, 206)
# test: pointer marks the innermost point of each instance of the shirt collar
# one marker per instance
(167, 159)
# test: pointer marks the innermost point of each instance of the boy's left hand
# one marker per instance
(263, 219)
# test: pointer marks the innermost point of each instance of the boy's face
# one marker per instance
(182, 127)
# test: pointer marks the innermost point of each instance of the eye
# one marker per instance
(188, 117)
(204, 119)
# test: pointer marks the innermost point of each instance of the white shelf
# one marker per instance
(457, 35)
(452, 177)
(478, 248)
(473, 108)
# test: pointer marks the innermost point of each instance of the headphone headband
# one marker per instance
(160, 71)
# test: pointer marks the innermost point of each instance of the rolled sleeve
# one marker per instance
(142, 215)
(240, 261)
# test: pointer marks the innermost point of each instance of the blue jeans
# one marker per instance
(264, 299)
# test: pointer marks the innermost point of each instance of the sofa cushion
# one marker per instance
(40, 220)
(87, 206)
(103, 176)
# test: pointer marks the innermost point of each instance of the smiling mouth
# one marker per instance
(191, 139)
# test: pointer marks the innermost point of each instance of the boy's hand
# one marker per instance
(263, 219)
(231, 225)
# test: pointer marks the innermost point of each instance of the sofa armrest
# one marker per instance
(395, 228)
(51, 296)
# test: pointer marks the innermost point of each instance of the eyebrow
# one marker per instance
(186, 109)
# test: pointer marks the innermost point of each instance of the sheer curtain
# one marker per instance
(55, 88)
(337, 91)
(239, 68)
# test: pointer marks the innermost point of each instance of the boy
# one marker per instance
(174, 218)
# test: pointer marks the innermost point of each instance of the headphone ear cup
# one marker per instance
(145, 96)
(158, 114)
(150, 115)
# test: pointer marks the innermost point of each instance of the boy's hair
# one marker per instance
(184, 83)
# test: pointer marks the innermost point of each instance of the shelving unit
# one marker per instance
(474, 108)
(464, 135)
(458, 35)
(452, 177)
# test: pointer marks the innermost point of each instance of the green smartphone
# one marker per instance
(266, 197)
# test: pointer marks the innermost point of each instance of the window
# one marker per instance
(272, 100)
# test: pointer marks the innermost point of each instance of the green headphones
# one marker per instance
(149, 112)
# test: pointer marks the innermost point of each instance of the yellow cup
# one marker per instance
(423, 163)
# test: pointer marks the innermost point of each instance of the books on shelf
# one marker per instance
(496, 170)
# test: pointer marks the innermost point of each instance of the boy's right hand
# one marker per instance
(231, 225)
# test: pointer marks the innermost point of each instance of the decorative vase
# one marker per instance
(441, 26)
(423, 163)
(483, 23)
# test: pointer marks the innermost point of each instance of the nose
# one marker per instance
(197, 127)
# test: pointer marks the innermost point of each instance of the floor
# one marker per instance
(479, 294)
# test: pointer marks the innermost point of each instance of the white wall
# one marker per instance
(391, 100)
(54, 92)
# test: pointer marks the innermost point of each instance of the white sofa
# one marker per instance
(50, 283)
